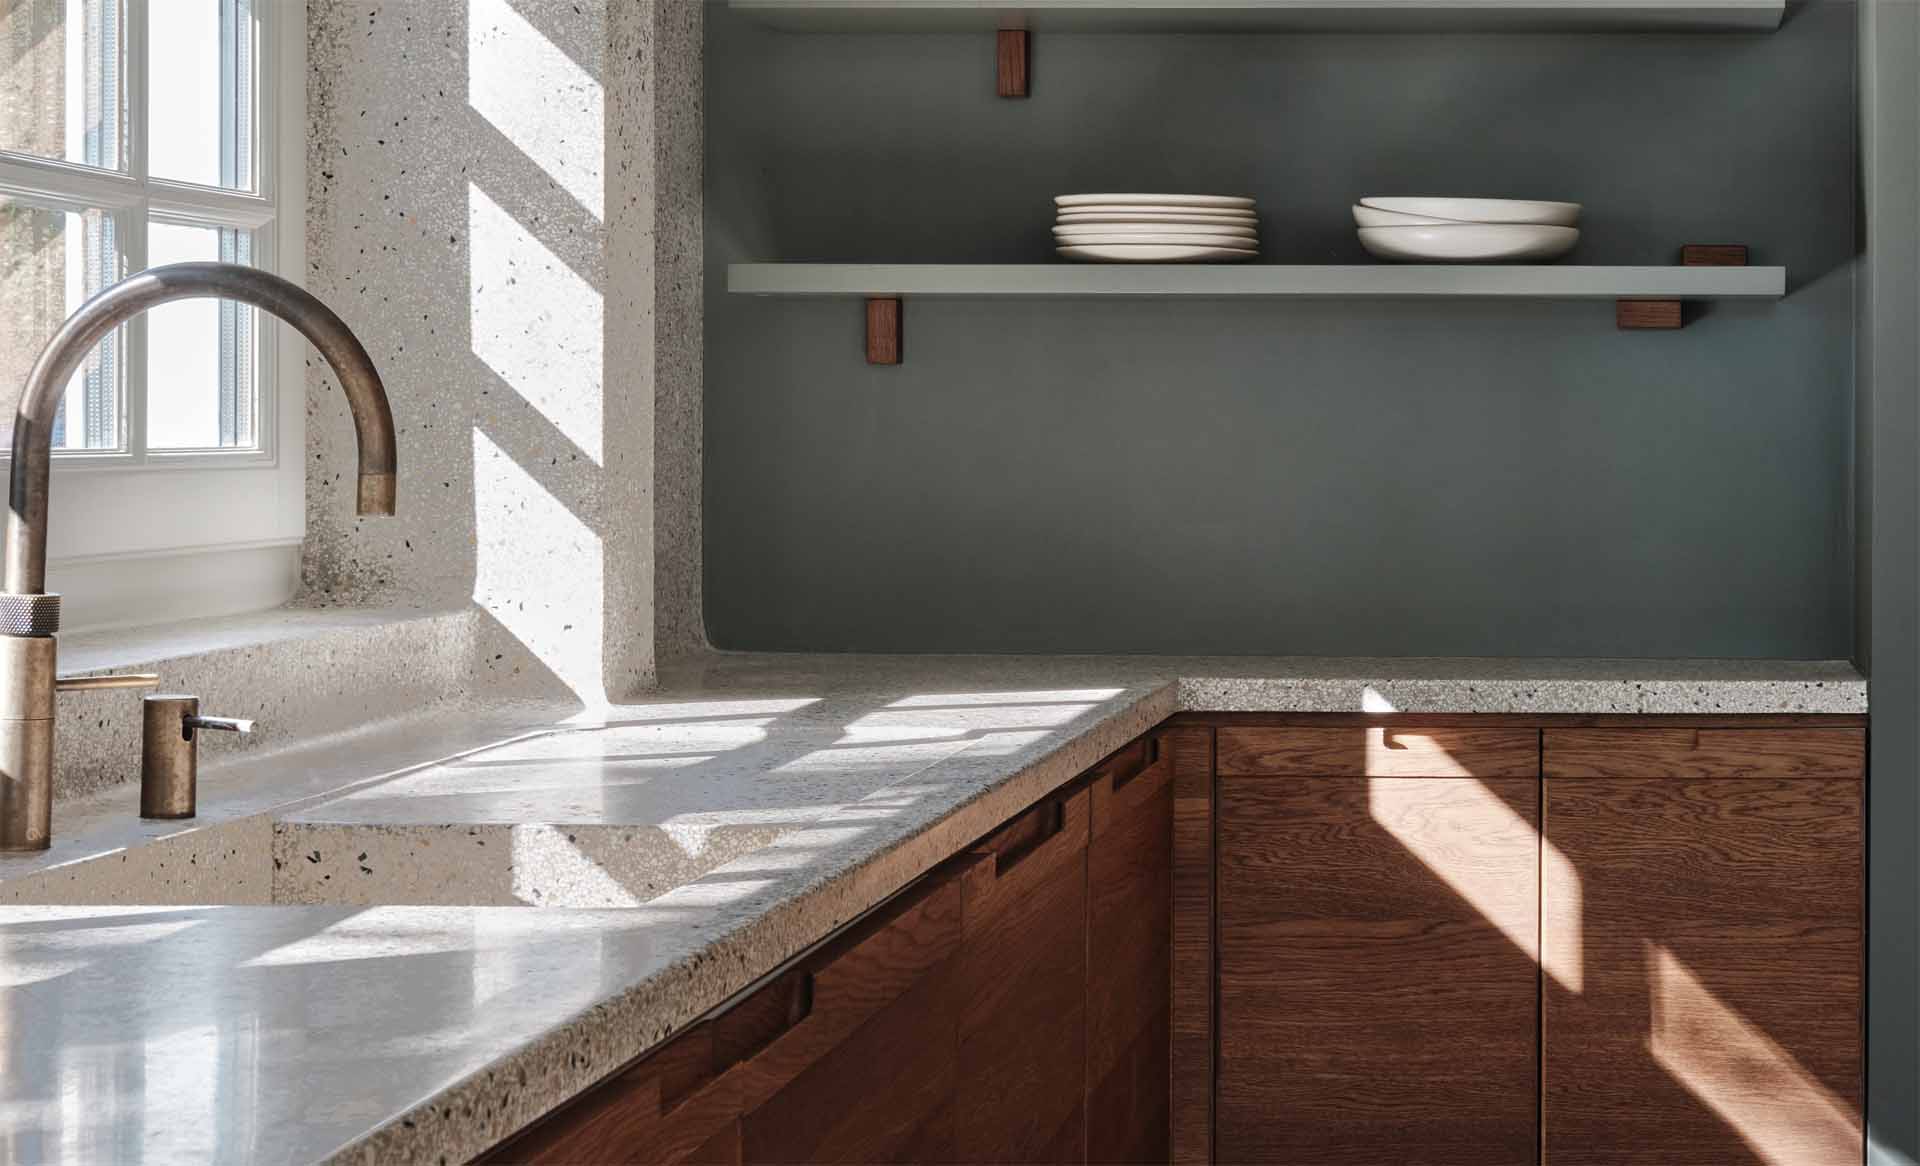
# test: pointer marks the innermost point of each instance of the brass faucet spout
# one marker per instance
(27, 612)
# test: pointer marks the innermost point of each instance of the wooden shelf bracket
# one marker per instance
(884, 331)
(1015, 59)
(1666, 315)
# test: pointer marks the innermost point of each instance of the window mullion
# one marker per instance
(133, 408)
(136, 91)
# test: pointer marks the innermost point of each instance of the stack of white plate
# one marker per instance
(1156, 228)
(1467, 230)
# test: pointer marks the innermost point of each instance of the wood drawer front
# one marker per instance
(1132, 782)
(1191, 1117)
(1706, 753)
(1129, 956)
(1378, 751)
(1022, 991)
(785, 1028)
(667, 1108)
(1712, 931)
(1378, 983)
(885, 1094)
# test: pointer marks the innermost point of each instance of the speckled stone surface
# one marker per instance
(467, 1023)
(504, 203)
(104, 852)
(1299, 684)
(298, 674)
(496, 865)
(221, 862)
(679, 162)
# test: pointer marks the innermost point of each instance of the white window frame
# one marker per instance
(122, 516)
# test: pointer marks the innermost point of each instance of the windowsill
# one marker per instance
(185, 640)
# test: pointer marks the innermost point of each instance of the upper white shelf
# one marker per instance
(1360, 281)
(1269, 15)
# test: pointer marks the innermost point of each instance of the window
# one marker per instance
(129, 138)
(135, 133)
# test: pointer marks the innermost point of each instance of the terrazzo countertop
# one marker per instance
(773, 798)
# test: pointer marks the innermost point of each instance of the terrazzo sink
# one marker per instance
(604, 816)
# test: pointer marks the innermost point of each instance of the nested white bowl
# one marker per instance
(1482, 210)
(1366, 216)
(1470, 242)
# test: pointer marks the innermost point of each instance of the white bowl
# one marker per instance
(1366, 216)
(1482, 210)
(1469, 242)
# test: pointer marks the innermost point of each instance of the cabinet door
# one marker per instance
(1129, 950)
(667, 1108)
(857, 1047)
(1378, 918)
(1023, 979)
(1701, 916)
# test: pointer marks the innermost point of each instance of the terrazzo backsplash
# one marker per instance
(504, 203)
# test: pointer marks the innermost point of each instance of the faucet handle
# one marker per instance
(96, 683)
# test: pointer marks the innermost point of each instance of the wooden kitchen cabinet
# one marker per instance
(1701, 921)
(1023, 981)
(852, 1056)
(1377, 914)
(670, 1107)
(1129, 952)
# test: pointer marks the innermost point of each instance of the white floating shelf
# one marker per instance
(1282, 281)
(1269, 15)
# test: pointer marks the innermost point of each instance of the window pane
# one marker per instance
(201, 389)
(51, 260)
(60, 74)
(200, 85)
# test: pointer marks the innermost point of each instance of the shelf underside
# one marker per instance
(1269, 15)
(1362, 281)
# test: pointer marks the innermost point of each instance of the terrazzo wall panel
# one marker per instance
(488, 209)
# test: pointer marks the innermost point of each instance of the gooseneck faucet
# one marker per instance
(29, 617)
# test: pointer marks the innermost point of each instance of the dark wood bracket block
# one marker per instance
(1713, 255)
(883, 331)
(1669, 314)
(1015, 63)
(1644, 314)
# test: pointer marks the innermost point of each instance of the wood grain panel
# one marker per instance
(851, 980)
(1013, 61)
(1022, 977)
(1127, 1111)
(886, 331)
(884, 1094)
(667, 1108)
(1378, 984)
(1129, 934)
(1190, 1121)
(1705, 753)
(1715, 1018)
(1379, 751)
(1713, 255)
(1663, 315)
